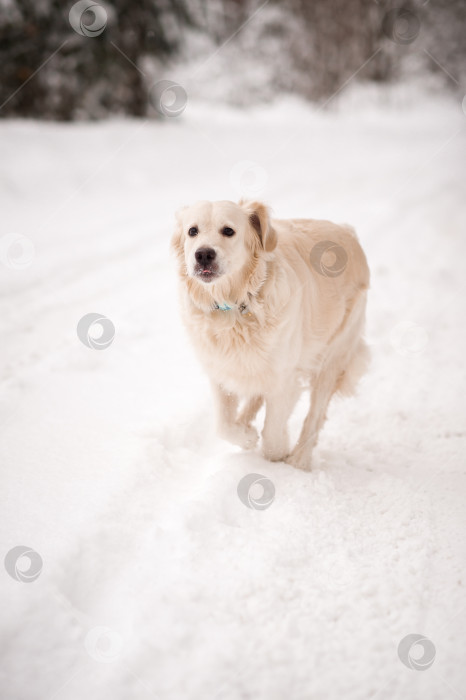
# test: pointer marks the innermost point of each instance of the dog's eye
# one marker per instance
(193, 231)
(226, 231)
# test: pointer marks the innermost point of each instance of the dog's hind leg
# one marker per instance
(323, 389)
(346, 361)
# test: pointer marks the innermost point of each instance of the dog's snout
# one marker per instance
(205, 256)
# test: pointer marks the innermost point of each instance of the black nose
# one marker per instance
(205, 256)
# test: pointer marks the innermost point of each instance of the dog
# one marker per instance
(273, 307)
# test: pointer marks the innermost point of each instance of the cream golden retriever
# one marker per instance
(272, 307)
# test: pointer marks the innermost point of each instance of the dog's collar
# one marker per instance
(242, 308)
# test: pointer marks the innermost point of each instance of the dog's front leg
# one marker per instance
(279, 406)
(228, 426)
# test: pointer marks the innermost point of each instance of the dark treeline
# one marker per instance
(88, 64)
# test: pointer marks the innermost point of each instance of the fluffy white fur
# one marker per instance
(296, 321)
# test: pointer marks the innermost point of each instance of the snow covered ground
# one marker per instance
(157, 581)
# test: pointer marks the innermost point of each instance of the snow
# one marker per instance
(157, 580)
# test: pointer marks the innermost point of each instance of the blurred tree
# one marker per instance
(50, 70)
(444, 22)
(307, 47)
(375, 39)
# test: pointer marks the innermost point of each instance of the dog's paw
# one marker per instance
(275, 447)
(245, 436)
(276, 451)
(248, 435)
(274, 455)
(300, 460)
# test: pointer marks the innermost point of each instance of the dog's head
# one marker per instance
(215, 240)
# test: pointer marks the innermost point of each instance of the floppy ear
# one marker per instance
(260, 221)
(177, 238)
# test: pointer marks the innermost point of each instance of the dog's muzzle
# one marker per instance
(206, 267)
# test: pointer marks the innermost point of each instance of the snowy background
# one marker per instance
(154, 580)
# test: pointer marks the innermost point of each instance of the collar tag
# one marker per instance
(242, 308)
